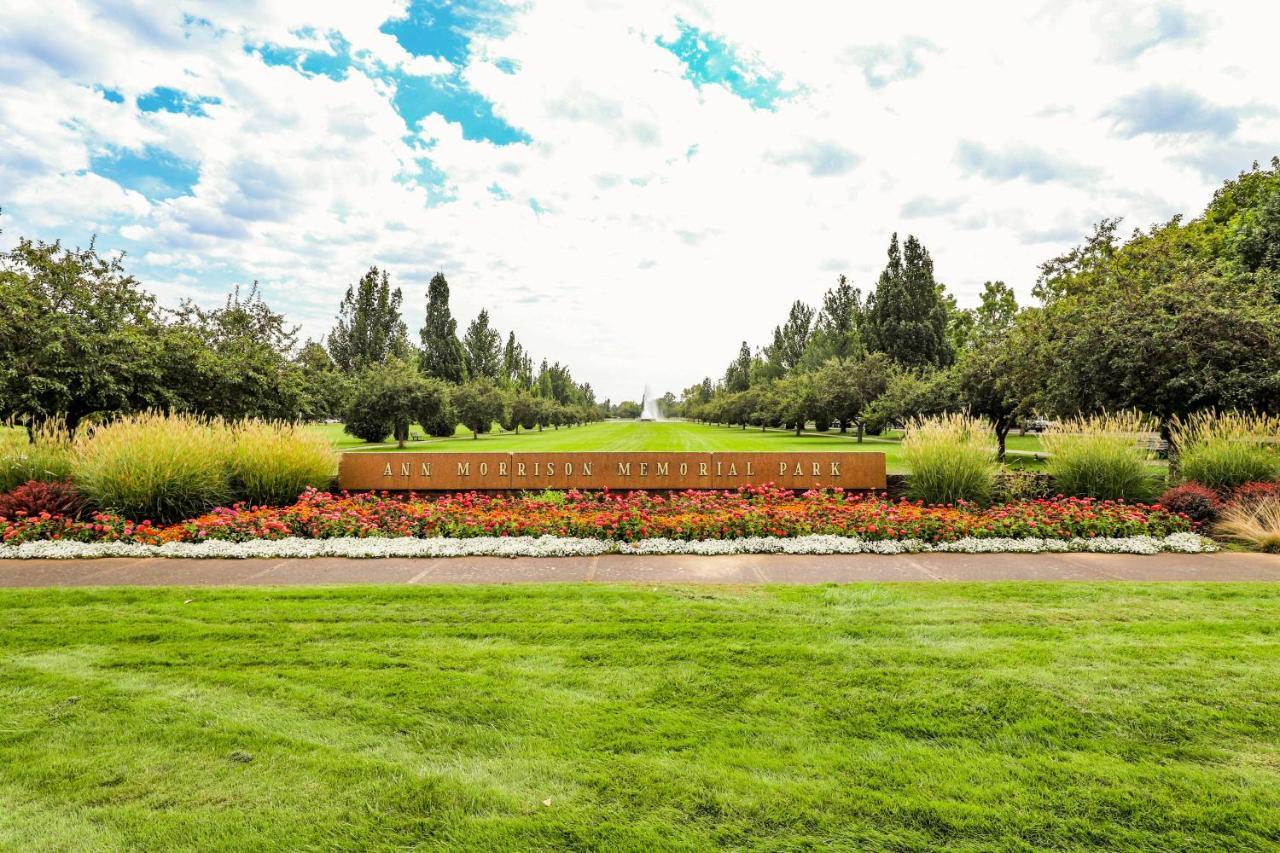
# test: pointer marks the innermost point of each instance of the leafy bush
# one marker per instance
(155, 466)
(1102, 456)
(58, 498)
(1198, 503)
(1015, 484)
(272, 462)
(1256, 526)
(46, 459)
(952, 458)
(1226, 450)
(1251, 494)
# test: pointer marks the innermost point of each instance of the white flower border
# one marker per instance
(555, 546)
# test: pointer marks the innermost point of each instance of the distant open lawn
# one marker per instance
(1001, 716)
(666, 435)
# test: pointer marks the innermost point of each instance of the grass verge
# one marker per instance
(1005, 716)
(671, 436)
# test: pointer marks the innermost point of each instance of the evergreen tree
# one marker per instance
(482, 346)
(369, 330)
(442, 355)
(905, 317)
(738, 375)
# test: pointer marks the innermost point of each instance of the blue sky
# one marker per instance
(634, 188)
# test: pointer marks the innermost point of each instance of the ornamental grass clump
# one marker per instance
(1105, 456)
(1255, 526)
(155, 466)
(952, 458)
(43, 455)
(1227, 450)
(273, 462)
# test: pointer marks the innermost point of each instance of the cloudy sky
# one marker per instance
(633, 187)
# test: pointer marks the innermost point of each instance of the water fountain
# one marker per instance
(649, 406)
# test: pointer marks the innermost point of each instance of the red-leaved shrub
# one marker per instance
(1254, 494)
(1196, 502)
(58, 498)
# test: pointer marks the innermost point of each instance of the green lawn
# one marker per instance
(998, 716)
(667, 435)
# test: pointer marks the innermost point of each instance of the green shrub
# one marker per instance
(272, 462)
(951, 457)
(154, 466)
(1103, 456)
(47, 459)
(1223, 451)
(1019, 484)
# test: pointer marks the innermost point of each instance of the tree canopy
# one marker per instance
(442, 355)
(369, 329)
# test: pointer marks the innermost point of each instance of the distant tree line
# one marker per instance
(1180, 317)
(475, 380)
(81, 340)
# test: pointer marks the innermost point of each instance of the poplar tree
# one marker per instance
(837, 332)
(513, 361)
(791, 338)
(369, 330)
(905, 317)
(738, 376)
(442, 355)
(482, 347)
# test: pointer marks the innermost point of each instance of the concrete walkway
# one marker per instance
(762, 568)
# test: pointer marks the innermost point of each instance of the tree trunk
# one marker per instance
(799, 427)
(1175, 464)
(1002, 433)
(861, 431)
(844, 427)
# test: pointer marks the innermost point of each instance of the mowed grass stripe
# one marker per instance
(1006, 715)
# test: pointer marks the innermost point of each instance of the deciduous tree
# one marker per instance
(478, 404)
(369, 329)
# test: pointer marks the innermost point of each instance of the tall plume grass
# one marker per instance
(272, 462)
(155, 466)
(952, 458)
(1102, 456)
(1228, 449)
(46, 459)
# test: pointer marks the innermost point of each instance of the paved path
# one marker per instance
(762, 568)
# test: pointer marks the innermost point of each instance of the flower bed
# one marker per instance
(750, 519)
(570, 546)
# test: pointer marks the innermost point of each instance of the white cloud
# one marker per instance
(649, 224)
